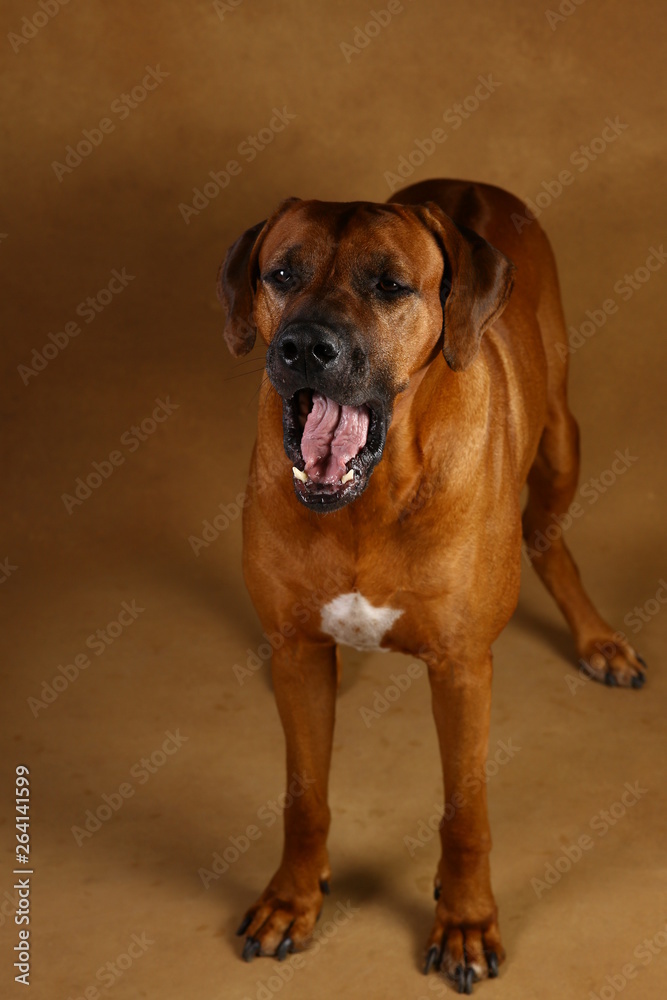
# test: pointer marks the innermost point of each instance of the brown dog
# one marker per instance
(414, 384)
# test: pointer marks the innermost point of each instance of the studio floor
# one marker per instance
(124, 615)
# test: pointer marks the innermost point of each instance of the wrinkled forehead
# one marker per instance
(350, 236)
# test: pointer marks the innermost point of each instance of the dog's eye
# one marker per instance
(387, 285)
(281, 276)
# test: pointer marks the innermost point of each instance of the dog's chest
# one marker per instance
(352, 620)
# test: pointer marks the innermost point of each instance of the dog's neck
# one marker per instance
(416, 452)
(418, 448)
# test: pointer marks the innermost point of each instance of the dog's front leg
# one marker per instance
(465, 941)
(304, 681)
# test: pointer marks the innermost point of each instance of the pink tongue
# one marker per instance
(332, 436)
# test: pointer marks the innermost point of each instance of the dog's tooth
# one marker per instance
(347, 477)
(298, 474)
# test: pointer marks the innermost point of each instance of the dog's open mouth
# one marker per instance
(333, 447)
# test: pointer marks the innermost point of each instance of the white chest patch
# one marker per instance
(353, 621)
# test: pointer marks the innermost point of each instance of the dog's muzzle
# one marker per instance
(334, 426)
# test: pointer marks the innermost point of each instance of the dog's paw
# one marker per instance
(612, 661)
(465, 954)
(282, 919)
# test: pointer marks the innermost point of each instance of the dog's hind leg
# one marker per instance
(552, 482)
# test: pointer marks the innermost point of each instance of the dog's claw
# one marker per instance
(610, 680)
(431, 958)
(460, 978)
(469, 978)
(492, 962)
(243, 926)
(286, 945)
(324, 887)
(641, 660)
(250, 949)
(436, 893)
(638, 681)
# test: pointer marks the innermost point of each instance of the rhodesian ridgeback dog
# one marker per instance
(414, 386)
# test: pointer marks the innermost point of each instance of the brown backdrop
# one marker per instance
(344, 105)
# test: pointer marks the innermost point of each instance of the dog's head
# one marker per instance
(352, 300)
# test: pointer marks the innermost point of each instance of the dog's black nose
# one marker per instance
(306, 346)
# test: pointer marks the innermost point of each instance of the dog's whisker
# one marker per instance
(249, 361)
(251, 371)
(259, 387)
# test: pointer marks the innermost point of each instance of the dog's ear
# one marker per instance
(237, 283)
(236, 290)
(476, 285)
